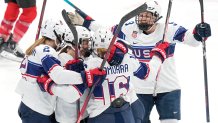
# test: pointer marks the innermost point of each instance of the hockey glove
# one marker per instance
(76, 19)
(93, 77)
(45, 84)
(202, 30)
(162, 50)
(80, 19)
(75, 65)
(117, 52)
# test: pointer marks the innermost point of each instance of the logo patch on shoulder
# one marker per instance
(134, 34)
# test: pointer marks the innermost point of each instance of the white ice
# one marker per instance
(188, 59)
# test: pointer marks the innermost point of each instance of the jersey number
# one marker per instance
(46, 49)
(112, 89)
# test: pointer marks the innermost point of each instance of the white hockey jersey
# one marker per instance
(142, 44)
(118, 82)
(66, 105)
(43, 61)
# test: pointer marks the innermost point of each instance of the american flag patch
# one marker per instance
(134, 34)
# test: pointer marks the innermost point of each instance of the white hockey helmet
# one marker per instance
(68, 40)
(85, 40)
(83, 34)
(154, 7)
(50, 26)
(68, 36)
(54, 29)
(102, 38)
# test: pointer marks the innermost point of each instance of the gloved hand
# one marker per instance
(45, 84)
(93, 76)
(76, 19)
(202, 30)
(163, 50)
(80, 19)
(117, 52)
(75, 65)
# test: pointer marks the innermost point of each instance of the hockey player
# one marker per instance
(143, 32)
(85, 38)
(112, 99)
(42, 60)
(66, 110)
(9, 42)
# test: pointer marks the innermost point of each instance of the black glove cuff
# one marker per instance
(197, 37)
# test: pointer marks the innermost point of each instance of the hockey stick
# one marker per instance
(73, 30)
(205, 66)
(75, 35)
(167, 20)
(125, 18)
(40, 19)
(165, 30)
(80, 12)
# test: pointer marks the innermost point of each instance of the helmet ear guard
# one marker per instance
(54, 30)
(60, 43)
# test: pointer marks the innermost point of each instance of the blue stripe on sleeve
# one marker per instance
(34, 69)
(48, 62)
(180, 33)
(142, 71)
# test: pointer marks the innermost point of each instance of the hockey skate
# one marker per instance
(10, 50)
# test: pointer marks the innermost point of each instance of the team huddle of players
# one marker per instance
(56, 79)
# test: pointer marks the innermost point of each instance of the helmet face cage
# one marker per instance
(84, 36)
(85, 40)
(147, 19)
(85, 43)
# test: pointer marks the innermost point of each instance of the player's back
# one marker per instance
(31, 68)
(117, 83)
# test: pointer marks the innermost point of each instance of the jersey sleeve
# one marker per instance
(182, 35)
(147, 71)
(154, 67)
(68, 93)
(51, 66)
(64, 58)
